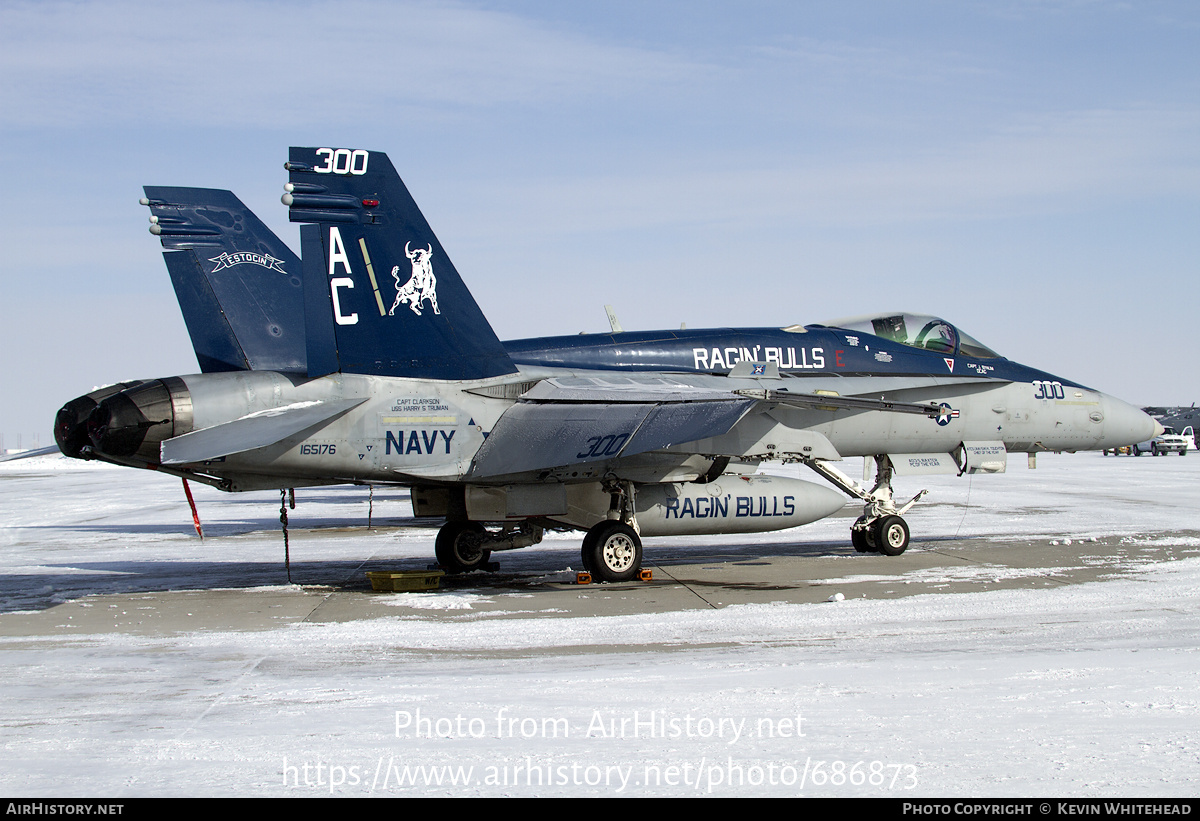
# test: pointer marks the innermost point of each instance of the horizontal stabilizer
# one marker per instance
(257, 430)
(29, 454)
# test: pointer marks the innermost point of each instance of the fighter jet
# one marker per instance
(621, 436)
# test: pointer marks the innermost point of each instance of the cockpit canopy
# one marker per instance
(918, 331)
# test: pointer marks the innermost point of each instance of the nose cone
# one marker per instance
(1126, 425)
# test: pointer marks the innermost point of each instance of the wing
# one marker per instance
(561, 422)
(581, 420)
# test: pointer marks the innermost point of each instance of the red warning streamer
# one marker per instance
(192, 503)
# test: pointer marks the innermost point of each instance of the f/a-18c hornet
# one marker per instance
(376, 366)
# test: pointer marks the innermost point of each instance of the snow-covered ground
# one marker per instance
(1073, 690)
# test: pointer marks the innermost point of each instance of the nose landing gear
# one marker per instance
(881, 528)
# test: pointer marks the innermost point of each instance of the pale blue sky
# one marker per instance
(1028, 170)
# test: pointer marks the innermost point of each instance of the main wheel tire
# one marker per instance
(589, 543)
(612, 552)
(459, 547)
(891, 535)
(860, 536)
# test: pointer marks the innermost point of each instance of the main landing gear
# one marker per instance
(612, 552)
(459, 546)
(881, 528)
(463, 546)
(612, 548)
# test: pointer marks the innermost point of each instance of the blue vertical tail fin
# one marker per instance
(238, 284)
(382, 296)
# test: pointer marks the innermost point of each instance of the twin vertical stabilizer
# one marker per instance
(381, 295)
(238, 285)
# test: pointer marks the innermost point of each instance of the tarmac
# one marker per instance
(684, 577)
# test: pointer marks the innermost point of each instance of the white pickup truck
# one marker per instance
(1166, 442)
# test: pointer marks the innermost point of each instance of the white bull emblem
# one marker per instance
(421, 286)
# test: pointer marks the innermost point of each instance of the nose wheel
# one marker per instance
(891, 535)
(881, 528)
(887, 535)
(860, 536)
